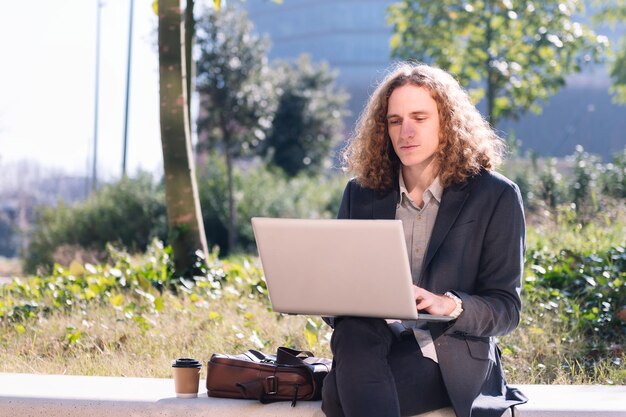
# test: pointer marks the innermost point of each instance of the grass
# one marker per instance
(541, 350)
(546, 350)
(101, 340)
(561, 229)
(547, 347)
(106, 344)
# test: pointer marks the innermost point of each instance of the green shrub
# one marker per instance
(579, 181)
(262, 191)
(132, 212)
(551, 189)
(129, 213)
(584, 187)
(133, 287)
(613, 176)
(568, 333)
(590, 289)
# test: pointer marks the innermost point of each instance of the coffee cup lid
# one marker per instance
(186, 363)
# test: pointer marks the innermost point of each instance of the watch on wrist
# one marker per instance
(459, 305)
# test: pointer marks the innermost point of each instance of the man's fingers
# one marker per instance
(423, 303)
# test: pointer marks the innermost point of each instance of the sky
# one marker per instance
(47, 86)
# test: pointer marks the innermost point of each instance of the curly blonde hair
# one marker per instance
(467, 143)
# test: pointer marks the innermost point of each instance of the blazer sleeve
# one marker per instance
(493, 308)
(344, 213)
(344, 207)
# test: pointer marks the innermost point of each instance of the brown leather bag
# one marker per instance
(289, 375)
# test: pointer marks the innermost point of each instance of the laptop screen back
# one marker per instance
(336, 267)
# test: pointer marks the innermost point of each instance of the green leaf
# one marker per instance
(144, 284)
(72, 335)
(158, 304)
(117, 300)
(143, 323)
(311, 333)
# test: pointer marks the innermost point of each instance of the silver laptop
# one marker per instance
(337, 267)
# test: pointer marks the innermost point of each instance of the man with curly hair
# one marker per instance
(423, 154)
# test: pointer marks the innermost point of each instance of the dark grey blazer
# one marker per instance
(477, 252)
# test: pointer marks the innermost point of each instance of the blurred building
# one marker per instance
(352, 36)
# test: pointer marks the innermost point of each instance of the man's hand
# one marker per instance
(433, 303)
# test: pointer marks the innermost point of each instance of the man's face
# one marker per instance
(413, 125)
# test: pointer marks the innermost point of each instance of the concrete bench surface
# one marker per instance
(64, 395)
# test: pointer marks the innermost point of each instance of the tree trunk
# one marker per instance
(186, 229)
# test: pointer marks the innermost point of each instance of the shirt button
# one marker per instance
(417, 250)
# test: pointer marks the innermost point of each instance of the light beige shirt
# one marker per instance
(418, 223)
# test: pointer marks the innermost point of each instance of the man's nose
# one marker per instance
(406, 130)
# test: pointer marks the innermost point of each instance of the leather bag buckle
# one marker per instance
(271, 385)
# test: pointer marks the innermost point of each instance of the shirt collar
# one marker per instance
(434, 190)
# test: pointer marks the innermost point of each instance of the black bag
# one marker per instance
(289, 375)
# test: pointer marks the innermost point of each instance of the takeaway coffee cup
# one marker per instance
(186, 377)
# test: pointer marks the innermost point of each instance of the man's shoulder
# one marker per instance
(494, 180)
(355, 187)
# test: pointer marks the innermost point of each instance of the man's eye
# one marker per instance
(394, 122)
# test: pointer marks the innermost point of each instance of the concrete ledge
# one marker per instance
(63, 395)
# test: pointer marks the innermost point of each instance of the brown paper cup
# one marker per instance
(186, 380)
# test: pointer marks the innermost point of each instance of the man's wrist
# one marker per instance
(458, 309)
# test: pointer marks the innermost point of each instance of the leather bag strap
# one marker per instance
(258, 356)
(263, 389)
(252, 389)
(292, 357)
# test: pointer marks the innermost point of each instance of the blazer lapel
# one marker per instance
(384, 205)
(452, 202)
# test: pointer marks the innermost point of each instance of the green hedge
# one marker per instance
(262, 191)
(588, 288)
(130, 213)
